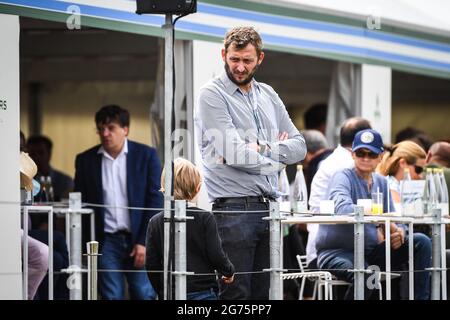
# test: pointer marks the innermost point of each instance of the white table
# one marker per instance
(350, 219)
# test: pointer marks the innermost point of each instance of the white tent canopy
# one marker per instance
(409, 35)
(430, 16)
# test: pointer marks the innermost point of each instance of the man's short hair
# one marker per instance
(37, 139)
(416, 135)
(315, 116)
(440, 152)
(423, 140)
(407, 134)
(315, 140)
(350, 128)
(186, 179)
(241, 37)
(112, 113)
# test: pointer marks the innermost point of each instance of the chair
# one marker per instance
(382, 278)
(327, 282)
(324, 280)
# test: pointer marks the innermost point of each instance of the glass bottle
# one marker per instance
(300, 193)
(284, 192)
(43, 197)
(444, 192)
(50, 192)
(406, 204)
(429, 195)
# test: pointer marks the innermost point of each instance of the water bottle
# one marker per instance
(443, 197)
(50, 192)
(283, 190)
(43, 196)
(300, 194)
(429, 195)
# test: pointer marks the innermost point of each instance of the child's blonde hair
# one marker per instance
(186, 179)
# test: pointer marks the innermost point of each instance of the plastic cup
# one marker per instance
(377, 203)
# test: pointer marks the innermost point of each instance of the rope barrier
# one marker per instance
(98, 205)
(65, 205)
(212, 274)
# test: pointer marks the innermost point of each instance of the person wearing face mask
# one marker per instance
(246, 137)
(335, 243)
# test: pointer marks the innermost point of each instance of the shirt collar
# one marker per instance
(230, 86)
(124, 150)
(344, 149)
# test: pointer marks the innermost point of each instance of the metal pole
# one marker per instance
(180, 250)
(50, 254)
(168, 98)
(411, 260)
(92, 226)
(436, 255)
(359, 253)
(75, 242)
(67, 214)
(443, 261)
(92, 253)
(387, 232)
(276, 247)
(25, 253)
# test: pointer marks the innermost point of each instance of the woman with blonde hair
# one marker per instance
(404, 155)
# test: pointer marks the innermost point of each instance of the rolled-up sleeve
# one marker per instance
(293, 149)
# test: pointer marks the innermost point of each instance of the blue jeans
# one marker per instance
(245, 239)
(202, 295)
(115, 251)
(341, 260)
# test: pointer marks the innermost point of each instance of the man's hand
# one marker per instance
(380, 235)
(253, 146)
(139, 255)
(397, 235)
(397, 238)
(228, 280)
(283, 136)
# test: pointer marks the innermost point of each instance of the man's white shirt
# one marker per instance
(114, 183)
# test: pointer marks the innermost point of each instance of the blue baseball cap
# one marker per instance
(368, 139)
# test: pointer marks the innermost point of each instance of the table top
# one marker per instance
(350, 219)
(58, 210)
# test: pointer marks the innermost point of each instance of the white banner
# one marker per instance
(376, 98)
(10, 240)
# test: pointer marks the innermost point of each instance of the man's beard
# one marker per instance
(243, 82)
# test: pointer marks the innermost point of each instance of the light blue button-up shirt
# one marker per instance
(227, 120)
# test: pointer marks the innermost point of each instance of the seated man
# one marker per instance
(335, 242)
(40, 148)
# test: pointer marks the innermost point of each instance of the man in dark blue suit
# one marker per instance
(120, 173)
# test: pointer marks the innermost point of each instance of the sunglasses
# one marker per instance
(361, 154)
(418, 169)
